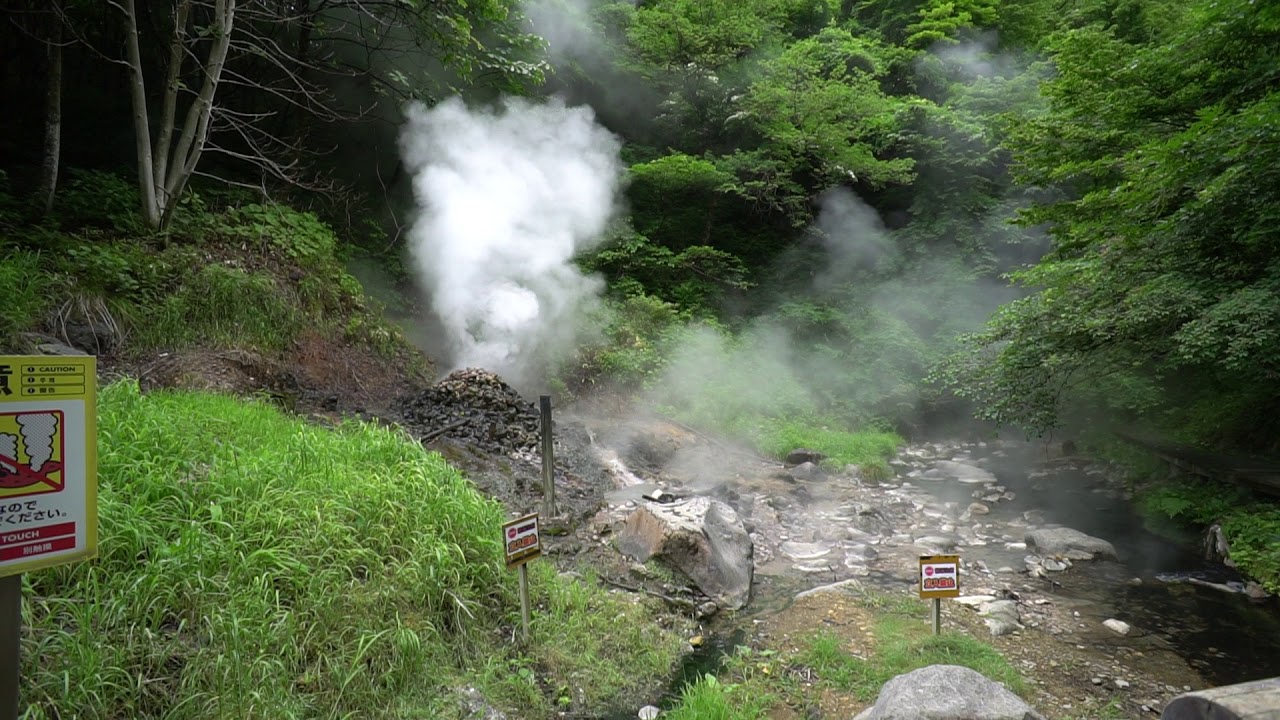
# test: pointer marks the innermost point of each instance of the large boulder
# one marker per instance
(702, 537)
(1069, 543)
(965, 472)
(947, 692)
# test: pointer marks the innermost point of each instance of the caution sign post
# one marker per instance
(939, 578)
(48, 484)
(522, 543)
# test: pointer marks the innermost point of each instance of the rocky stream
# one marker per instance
(1057, 570)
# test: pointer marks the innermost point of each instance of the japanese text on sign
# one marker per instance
(521, 540)
(940, 576)
(48, 461)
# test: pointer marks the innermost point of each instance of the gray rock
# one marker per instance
(947, 692)
(800, 456)
(804, 551)
(964, 472)
(1061, 541)
(936, 543)
(475, 707)
(57, 348)
(648, 712)
(702, 537)
(1001, 617)
(807, 471)
(851, 587)
(1117, 626)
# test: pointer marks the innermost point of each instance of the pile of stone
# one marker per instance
(476, 407)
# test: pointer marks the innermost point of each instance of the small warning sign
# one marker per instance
(940, 576)
(521, 540)
(48, 461)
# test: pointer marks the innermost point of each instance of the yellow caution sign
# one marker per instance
(48, 461)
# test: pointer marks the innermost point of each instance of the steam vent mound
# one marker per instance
(477, 408)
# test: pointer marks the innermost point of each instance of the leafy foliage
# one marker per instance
(1163, 264)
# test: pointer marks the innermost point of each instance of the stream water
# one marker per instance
(817, 537)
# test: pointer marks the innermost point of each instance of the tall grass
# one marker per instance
(254, 566)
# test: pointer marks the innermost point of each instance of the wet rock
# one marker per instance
(704, 538)
(1216, 546)
(707, 609)
(807, 471)
(965, 473)
(1255, 591)
(804, 551)
(800, 456)
(978, 509)
(863, 552)
(852, 587)
(871, 520)
(1061, 541)
(947, 692)
(1122, 684)
(936, 544)
(648, 712)
(1001, 617)
(475, 707)
(1117, 626)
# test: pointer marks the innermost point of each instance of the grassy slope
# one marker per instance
(757, 681)
(256, 566)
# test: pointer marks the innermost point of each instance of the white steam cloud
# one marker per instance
(508, 198)
(37, 435)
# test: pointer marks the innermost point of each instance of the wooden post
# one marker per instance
(937, 616)
(10, 645)
(524, 602)
(548, 459)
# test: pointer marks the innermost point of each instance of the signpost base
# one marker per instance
(937, 616)
(10, 645)
(524, 602)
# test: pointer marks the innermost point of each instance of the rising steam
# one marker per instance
(507, 199)
(37, 436)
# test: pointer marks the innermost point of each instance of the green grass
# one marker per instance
(26, 299)
(867, 448)
(902, 646)
(254, 566)
(904, 643)
(222, 306)
(710, 699)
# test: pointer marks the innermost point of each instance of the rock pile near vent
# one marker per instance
(478, 408)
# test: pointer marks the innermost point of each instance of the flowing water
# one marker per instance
(819, 536)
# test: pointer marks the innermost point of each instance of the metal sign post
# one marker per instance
(522, 543)
(10, 645)
(939, 578)
(48, 485)
(548, 458)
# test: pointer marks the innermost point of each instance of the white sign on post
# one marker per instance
(48, 462)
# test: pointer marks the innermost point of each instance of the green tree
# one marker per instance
(1162, 294)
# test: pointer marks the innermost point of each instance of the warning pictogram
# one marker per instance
(32, 446)
(48, 461)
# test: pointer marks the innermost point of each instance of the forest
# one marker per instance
(847, 225)
(1044, 213)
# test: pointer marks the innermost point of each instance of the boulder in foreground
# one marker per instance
(947, 692)
(703, 538)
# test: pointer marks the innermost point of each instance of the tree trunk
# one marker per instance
(195, 130)
(52, 119)
(141, 126)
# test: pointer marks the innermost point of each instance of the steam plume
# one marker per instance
(507, 199)
(37, 436)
